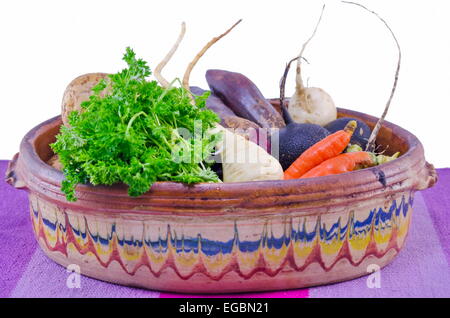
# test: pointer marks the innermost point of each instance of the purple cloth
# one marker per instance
(420, 270)
(437, 200)
(16, 236)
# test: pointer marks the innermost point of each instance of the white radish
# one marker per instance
(311, 104)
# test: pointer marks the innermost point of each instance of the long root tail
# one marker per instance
(372, 139)
(191, 65)
(164, 83)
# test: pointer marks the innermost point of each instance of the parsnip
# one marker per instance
(243, 160)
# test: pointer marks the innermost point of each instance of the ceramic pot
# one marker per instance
(229, 237)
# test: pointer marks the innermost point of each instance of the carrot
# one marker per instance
(343, 163)
(325, 149)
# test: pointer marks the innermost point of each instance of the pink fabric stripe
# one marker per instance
(297, 293)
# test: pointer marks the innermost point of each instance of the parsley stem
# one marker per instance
(127, 132)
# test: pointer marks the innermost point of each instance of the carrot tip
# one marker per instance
(351, 126)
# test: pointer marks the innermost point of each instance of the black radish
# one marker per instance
(294, 139)
(359, 137)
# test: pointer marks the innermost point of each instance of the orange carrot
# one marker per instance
(325, 149)
(343, 163)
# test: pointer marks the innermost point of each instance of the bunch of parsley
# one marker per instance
(133, 134)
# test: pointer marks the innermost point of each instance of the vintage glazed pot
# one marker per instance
(229, 237)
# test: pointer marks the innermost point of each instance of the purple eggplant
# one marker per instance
(214, 103)
(227, 117)
(243, 97)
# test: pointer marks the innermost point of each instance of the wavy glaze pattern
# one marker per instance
(300, 242)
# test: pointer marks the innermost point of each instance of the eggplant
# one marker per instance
(228, 118)
(214, 103)
(242, 96)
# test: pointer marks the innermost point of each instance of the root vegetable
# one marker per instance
(234, 148)
(191, 65)
(243, 160)
(78, 91)
(310, 104)
(372, 139)
(340, 164)
(239, 124)
(295, 139)
(361, 134)
(185, 83)
(325, 149)
(380, 158)
(157, 73)
(236, 168)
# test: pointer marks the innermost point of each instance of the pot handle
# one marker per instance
(12, 177)
(427, 177)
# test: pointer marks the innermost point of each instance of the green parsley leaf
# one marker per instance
(137, 133)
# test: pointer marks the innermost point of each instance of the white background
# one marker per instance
(45, 44)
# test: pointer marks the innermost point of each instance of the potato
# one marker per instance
(77, 92)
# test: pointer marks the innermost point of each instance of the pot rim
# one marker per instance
(408, 172)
